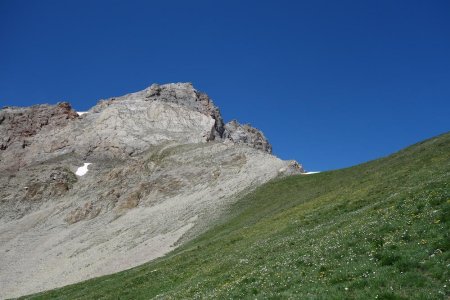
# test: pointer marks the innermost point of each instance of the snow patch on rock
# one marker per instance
(81, 171)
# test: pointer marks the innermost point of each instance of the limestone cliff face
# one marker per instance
(163, 167)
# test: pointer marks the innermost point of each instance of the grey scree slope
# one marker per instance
(164, 166)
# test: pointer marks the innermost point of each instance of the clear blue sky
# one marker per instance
(331, 83)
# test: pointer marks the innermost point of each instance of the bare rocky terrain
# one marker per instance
(163, 167)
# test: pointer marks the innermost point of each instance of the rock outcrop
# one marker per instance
(19, 126)
(247, 135)
(163, 167)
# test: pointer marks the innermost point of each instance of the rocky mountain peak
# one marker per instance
(186, 95)
(119, 185)
(119, 126)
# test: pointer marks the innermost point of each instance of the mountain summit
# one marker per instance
(88, 194)
(118, 127)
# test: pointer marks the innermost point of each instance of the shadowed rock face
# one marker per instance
(163, 167)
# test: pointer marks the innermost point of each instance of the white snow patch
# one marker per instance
(81, 171)
(313, 172)
(80, 113)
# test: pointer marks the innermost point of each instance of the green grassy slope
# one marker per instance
(379, 230)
